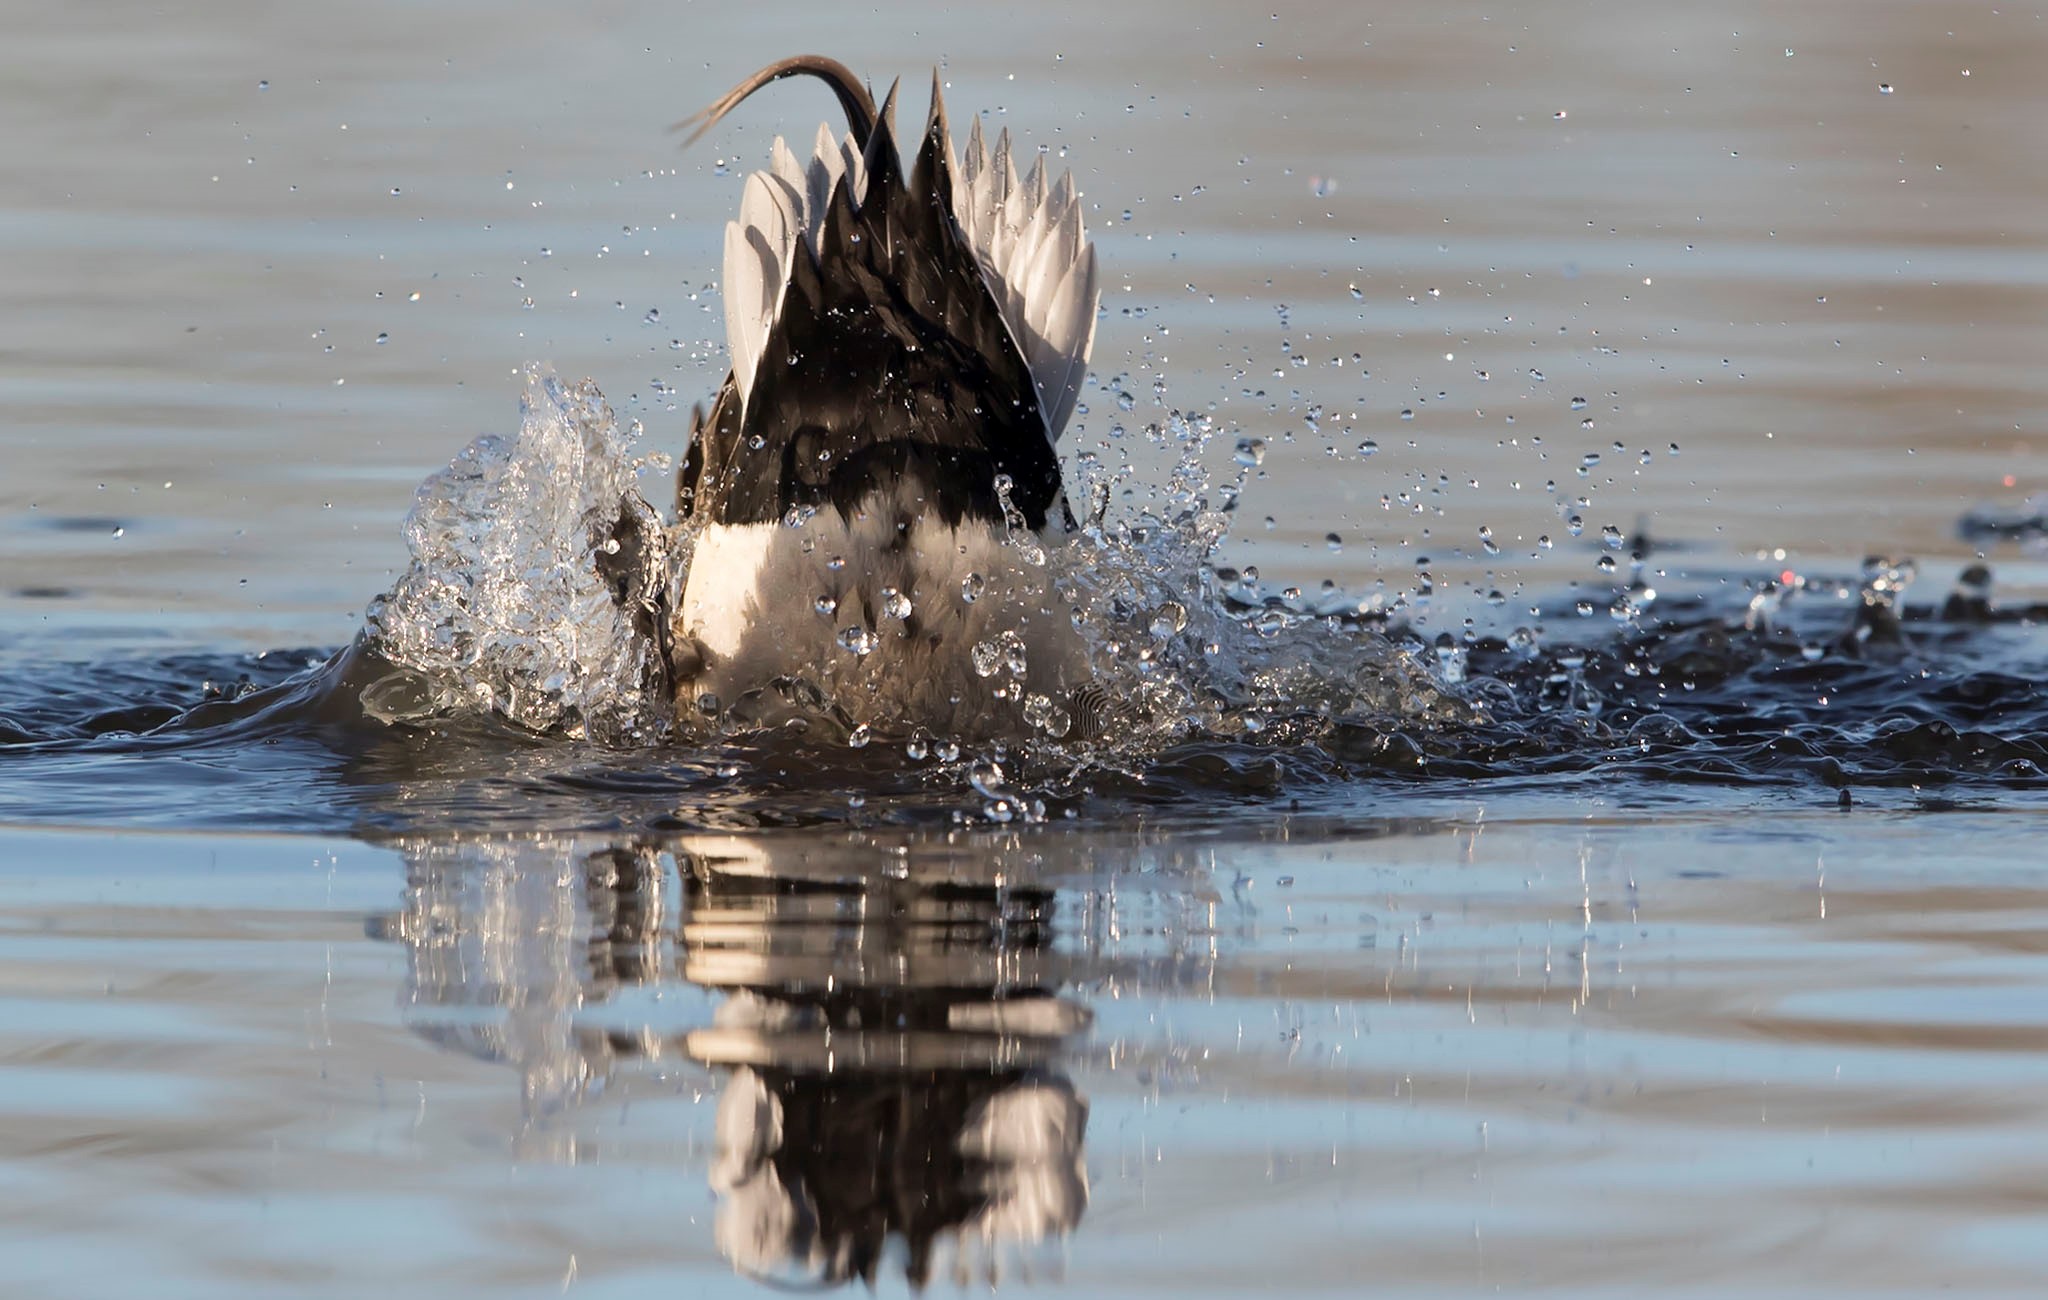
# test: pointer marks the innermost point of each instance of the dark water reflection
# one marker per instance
(888, 1024)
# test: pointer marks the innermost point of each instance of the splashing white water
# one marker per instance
(505, 607)
(1179, 654)
(508, 608)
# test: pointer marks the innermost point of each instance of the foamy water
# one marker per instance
(540, 574)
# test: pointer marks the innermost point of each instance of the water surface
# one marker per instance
(1616, 945)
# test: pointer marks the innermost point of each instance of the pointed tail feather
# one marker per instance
(853, 97)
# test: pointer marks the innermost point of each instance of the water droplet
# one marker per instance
(858, 640)
(859, 737)
(1334, 541)
(1368, 447)
(1042, 713)
(1170, 619)
(1251, 451)
(1486, 540)
(1885, 578)
(1884, 87)
(1575, 525)
(382, 338)
(971, 587)
(1450, 659)
(895, 604)
(1407, 414)
(1612, 537)
(826, 606)
(1578, 403)
(986, 776)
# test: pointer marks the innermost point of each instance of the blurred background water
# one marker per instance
(1718, 228)
(1780, 268)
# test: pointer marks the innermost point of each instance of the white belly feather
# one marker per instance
(894, 615)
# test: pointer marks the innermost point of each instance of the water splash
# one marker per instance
(536, 604)
(1183, 649)
(540, 580)
(535, 563)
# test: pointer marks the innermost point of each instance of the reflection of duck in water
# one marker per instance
(878, 471)
(889, 1039)
(890, 1048)
(817, 1172)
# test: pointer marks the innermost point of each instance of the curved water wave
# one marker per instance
(1688, 703)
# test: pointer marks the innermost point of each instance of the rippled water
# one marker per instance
(1439, 1052)
(1595, 850)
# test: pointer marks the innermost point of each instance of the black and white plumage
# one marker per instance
(906, 347)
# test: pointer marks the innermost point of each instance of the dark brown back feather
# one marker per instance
(888, 365)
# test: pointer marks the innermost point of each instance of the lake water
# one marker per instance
(1679, 944)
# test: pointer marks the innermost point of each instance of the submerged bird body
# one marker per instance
(871, 496)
